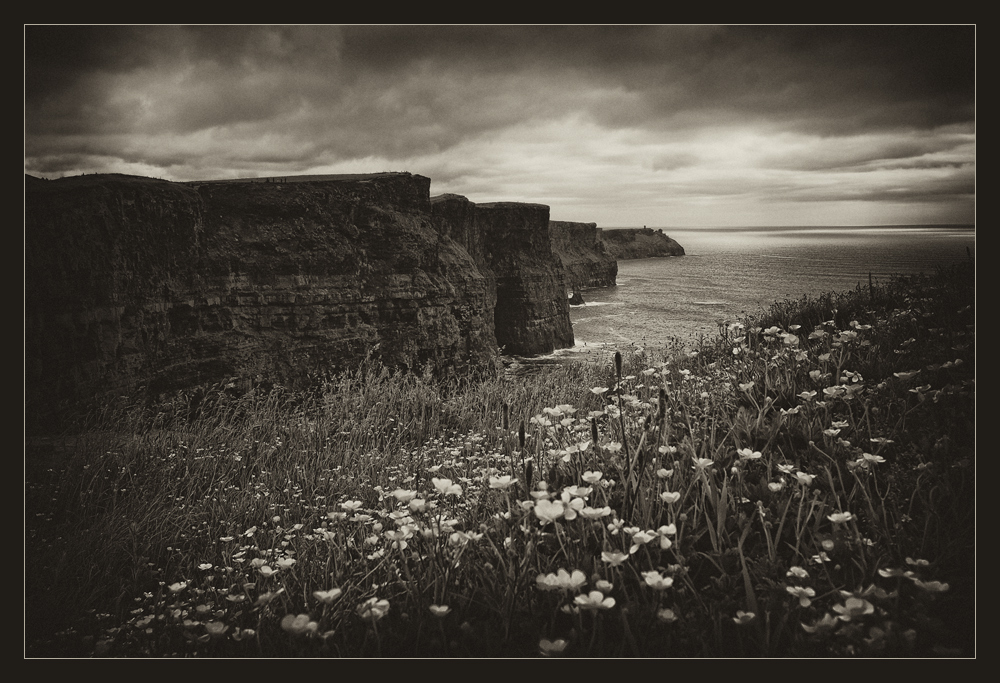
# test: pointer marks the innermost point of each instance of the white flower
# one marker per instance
(549, 510)
(657, 581)
(503, 483)
(446, 487)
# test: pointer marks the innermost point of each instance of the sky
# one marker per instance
(661, 125)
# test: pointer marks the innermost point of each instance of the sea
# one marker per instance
(728, 273)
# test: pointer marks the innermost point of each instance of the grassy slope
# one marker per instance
(179, 530)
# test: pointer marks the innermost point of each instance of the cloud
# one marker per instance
(575, 115)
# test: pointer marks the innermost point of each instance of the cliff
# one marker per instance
(510, 243)
(634, 243)
(581, 251)
(133, 282)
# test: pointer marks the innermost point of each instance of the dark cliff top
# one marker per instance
(511, 205)
(93, 179)
(90, 180)
(572, 224)
(333, 177)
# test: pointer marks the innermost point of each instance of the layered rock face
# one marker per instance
(634, 243)
(580, 249)
(510, 242)
(135, 282)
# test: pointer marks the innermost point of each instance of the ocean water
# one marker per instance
(727, 273)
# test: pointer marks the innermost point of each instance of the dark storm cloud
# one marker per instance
(542, 110)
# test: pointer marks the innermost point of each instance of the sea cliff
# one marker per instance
(636, 243)
(135, 282)
(581, 251)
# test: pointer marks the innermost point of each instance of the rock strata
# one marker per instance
(135, 282)
(511, 244)
(581, 251)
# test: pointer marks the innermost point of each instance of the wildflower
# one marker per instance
(562, 580)
(787, 469)
(328, 597)
(351, 505)
(824, 625)
(776, 486)
(552, 647)
(840, 517)
(205, 566)
(702, 463)
(804, 479)
(503, 483)
(415, 505)
(266, 570)
(549, 510)
(373, 609)
(663, 473)
(746, 386)
(604, 586)
(748, 454)
(791, 411)
(640, 538)
(853, 608)
(666, 615)
(834, 391)
(216, 628)
(575, 492)
(797, 572)
(285, 563)
(802, 593)
(599, 390)
(931, 586)
(446, 487)
(398, 537)
(917, 563)
(868, 457)
(831, 432)
(404, 495)
(613, 447)
(440, 611)
(299, 624)
(742, 617)
(614, 559)
(657, 581)
(595, 513)
(594, 600)
(592, 477)
(670, 497)
(541, 421)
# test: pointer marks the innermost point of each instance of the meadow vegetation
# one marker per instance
(802, 485)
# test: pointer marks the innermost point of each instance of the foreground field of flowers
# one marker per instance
(803, 485)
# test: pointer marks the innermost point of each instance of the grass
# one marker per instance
(801, 486)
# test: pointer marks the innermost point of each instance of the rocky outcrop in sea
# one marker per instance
(636, 243)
